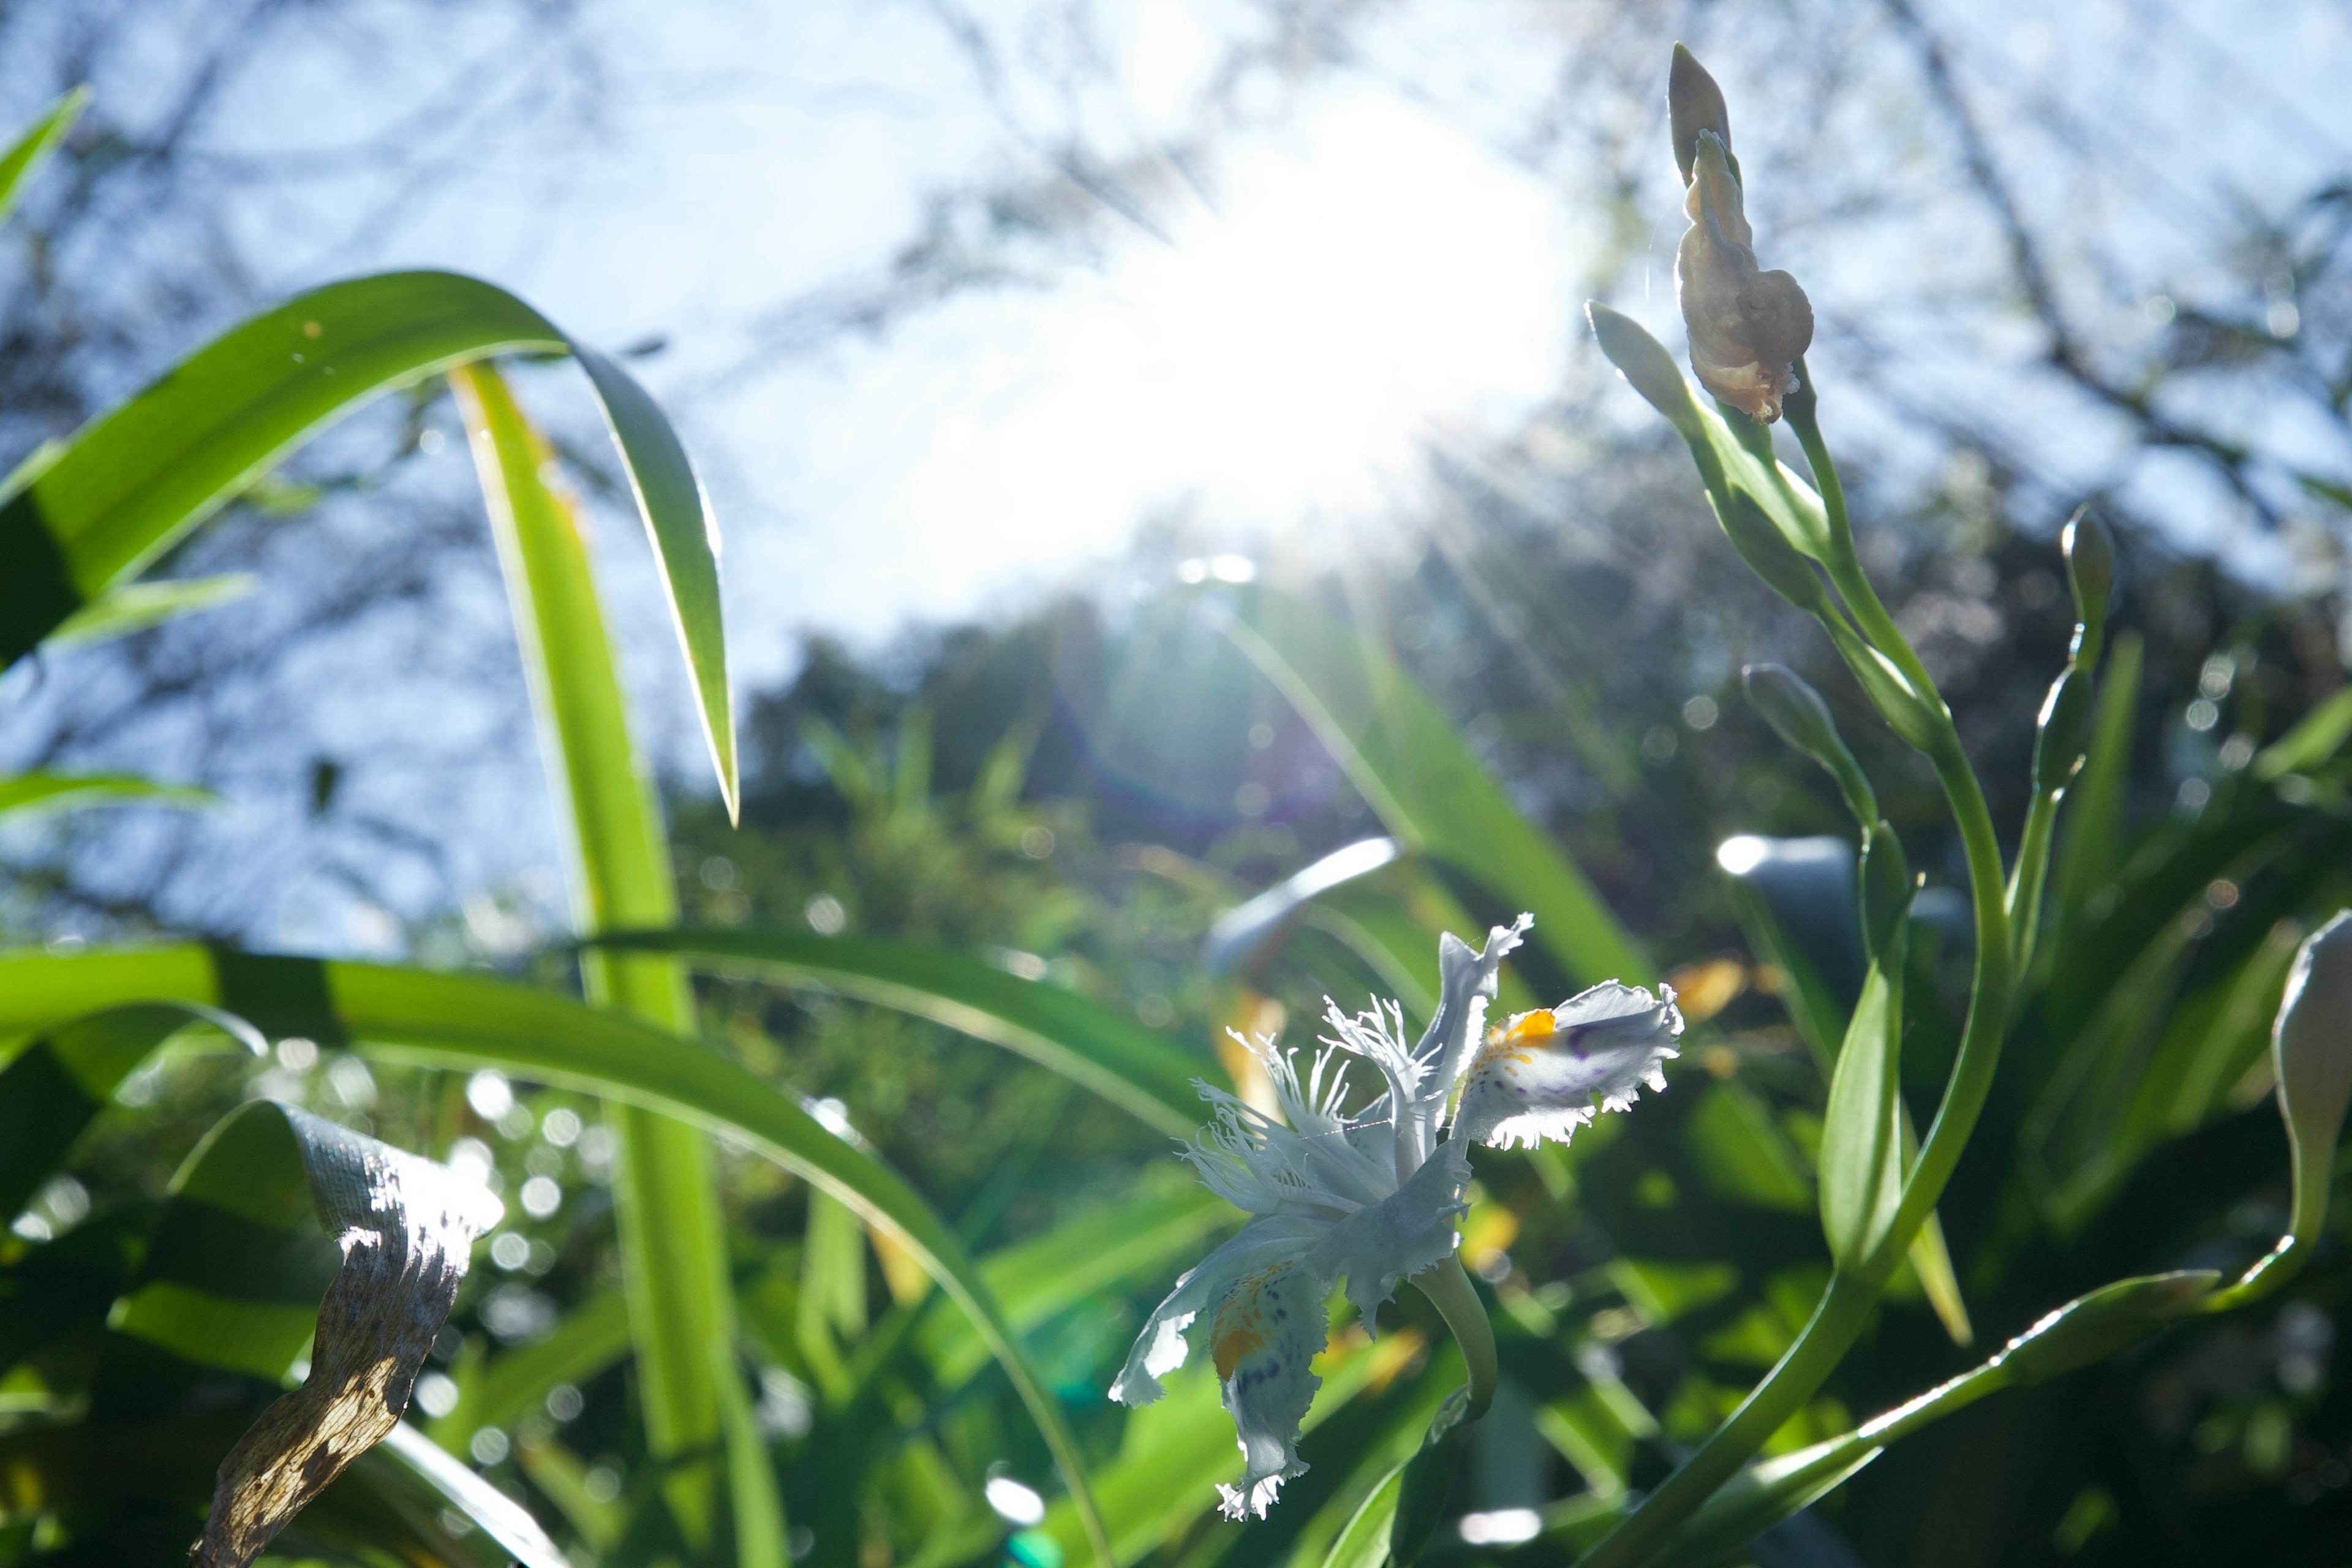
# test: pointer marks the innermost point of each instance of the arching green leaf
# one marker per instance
(1123, 1062)
(95, 511)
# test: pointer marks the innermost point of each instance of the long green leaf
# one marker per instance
(1128, 1065)
(1397, 748)
(1175, 1452)
(39, 139)
(1364, 1543)
(1861, 1131)
(133, 482)
(673, 1237)
(471, 1021)
(2315, 740)
(135, 606)
(69, 791)
(1244, 936)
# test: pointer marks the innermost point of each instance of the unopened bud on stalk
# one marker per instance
(1644, 361)
(1748, 327)
(1799, 716)
(2112, 1318)
(1886, 888)
(2311, 1050)
(2090, 548)
(1695, 103)
(2063, 733)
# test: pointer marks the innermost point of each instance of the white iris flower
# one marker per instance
(1376, 1197)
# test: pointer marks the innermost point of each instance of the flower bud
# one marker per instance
(2311, 1051)
(1644, 361)
(1799, 716)
(2090, 548)
(1886, 888)
(1695, 103)
(1747, 327)
(2112, 1318)
(1769, 554)
(2063, 733)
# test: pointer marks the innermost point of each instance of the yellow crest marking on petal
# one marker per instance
(1518, 1039)
(1240, 1328)
(1233, 1343)
(1530, 1027)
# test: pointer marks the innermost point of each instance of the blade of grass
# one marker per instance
(28, 793)
(135, 606)
(673, 1237)
(39, 139)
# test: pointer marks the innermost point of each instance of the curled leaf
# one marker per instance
(406, 1228)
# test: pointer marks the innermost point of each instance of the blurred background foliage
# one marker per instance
(1076, 785)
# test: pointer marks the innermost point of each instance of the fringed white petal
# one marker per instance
(1256, 1162)
(1399, 1237)
(1270, 1242)
(1466, 983)
(1266, 1330)
(1544, 1074)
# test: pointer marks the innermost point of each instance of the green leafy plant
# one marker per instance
(81, 519)
(1749, 334)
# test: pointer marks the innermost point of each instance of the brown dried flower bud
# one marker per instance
(1694, 103)
(1747, 326)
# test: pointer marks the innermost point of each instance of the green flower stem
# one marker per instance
(2314, 1170)
(1948, 1398)
(1845, 567)
(1836, 1323)
(1736, 1513)
(1980, 1041)
(2272, 1269)
(1988, 1020)
(1450, 1290)
(1846, 1305)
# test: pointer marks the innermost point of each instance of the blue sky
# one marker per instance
(1327, 252)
